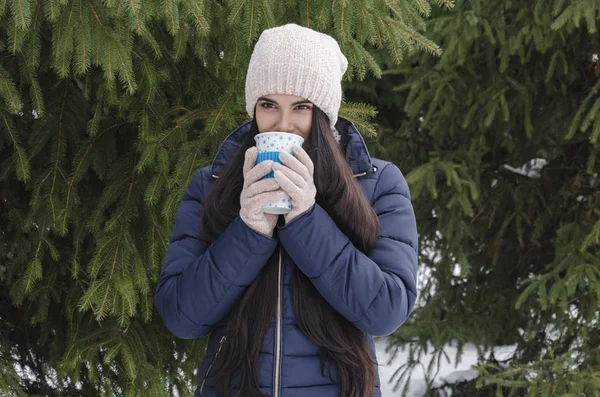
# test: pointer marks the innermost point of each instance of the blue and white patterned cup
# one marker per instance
(269, 144)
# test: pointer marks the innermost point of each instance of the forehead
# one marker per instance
(284, 98)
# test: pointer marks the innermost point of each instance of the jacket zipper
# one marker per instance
(278, 335)
(212, 362)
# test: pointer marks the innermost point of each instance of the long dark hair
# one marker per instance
(340, 343)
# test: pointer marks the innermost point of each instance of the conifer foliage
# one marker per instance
(107, 109)
(500, 145)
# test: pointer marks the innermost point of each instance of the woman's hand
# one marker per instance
(258, 192)
(295, 176)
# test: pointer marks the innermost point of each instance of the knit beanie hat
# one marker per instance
(299, 61)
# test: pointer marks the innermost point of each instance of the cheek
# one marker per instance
(263, 121)
(307, 124)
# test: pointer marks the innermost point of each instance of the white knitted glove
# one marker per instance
(257, 192)
(295, 176)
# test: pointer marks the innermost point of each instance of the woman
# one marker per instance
(292, 302)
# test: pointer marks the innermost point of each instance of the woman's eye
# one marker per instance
(267, 105)
(303, 107)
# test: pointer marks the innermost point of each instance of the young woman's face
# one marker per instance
(284, 113)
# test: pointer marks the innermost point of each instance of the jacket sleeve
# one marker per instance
(375, 292)
(200, 283)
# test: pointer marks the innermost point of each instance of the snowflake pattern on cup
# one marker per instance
(277, 141)
(281, 207)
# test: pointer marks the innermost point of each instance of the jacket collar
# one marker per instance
(352, 142)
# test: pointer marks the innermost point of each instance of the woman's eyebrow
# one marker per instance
(299, 102)
(274, 102)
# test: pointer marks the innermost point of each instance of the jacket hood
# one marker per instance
(352, 142)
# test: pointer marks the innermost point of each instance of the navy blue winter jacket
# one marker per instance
(201, 283)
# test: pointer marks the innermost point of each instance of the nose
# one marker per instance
(285, 123)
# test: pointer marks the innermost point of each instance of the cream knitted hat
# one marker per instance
(295, 60)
